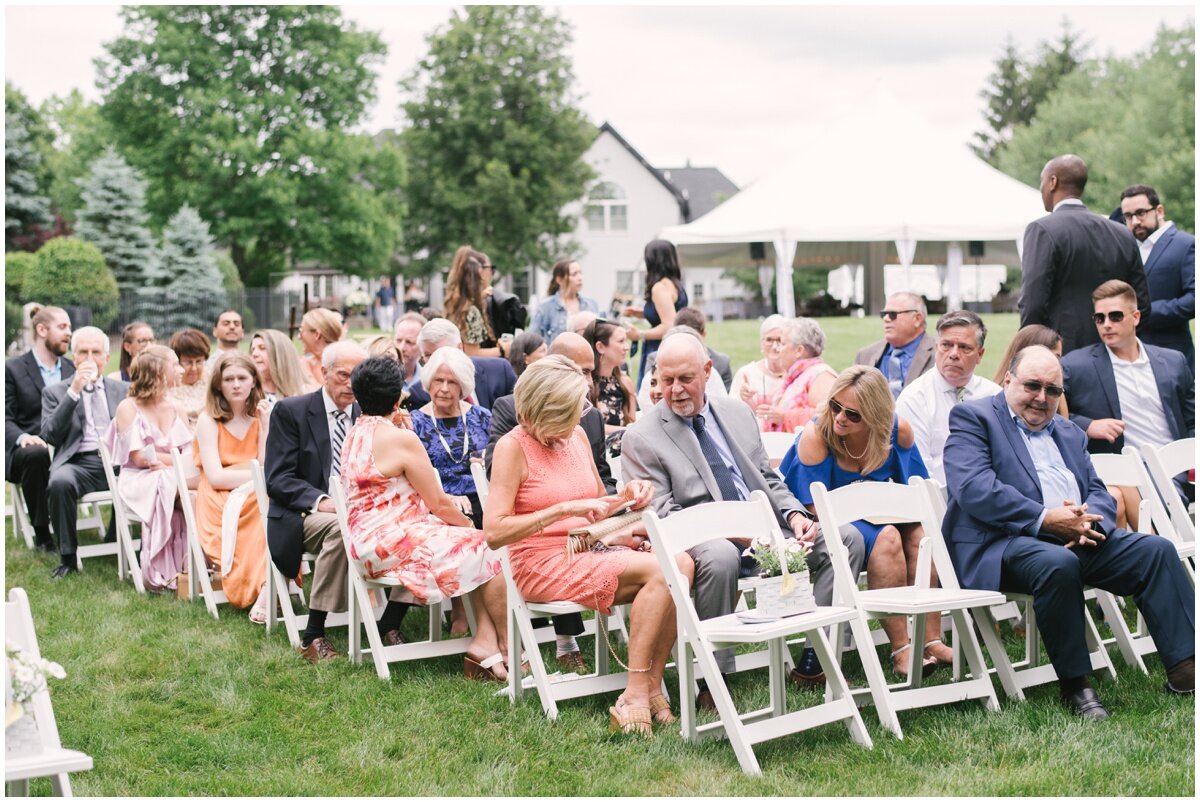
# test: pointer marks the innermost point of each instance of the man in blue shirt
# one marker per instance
(904, 353)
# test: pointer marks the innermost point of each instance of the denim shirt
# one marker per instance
(550, 319)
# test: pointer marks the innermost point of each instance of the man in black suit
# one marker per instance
(1169, 259)
(303, 447)
(1071, 252)
(494, 376)
(75, 415)
(26, 458)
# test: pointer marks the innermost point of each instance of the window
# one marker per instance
(697, 291)
(606, 209)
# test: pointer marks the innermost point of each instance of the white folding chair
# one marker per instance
(689, 528)
(523, 638)
(1166, 462)
(46, 757)
(22, 526)
(874, 500)
(198, 571)
(125, 547)
(777, 445)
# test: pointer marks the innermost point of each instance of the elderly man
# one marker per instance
(75, 415)
(494, 376)
(714, 387)
(26, 458)
(1027, 513)
(228, 334)
(696, 448)
(408, 328)
(926, 402)
(904, 353)
(1069, 253)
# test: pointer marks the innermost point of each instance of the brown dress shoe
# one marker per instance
(317, 651)
(393, 638)
(572, 661)
(705, 701)
(807, 680)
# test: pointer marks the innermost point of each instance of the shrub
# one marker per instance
(17, 265)
(12, 321)
(72, 273)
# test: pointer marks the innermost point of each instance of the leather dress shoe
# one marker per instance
(704, 700)
(317, 651)
(807, 680)
(64, 569)
(1169, 688)
(1085, 703)
(572, 662)
(393, 638)
(46, 546)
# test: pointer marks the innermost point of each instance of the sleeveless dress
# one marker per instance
(249, 569)
(541, 567)
(793, 394)
(901, 463)
(392, 533)
(650, 312)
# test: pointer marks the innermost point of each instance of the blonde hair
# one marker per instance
(287, 374)
(874, 400)
(215, 405)
(148, 376)
(325, 322)
(549, 396)
(380, 345)
(460, 365)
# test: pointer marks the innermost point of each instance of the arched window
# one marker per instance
(605, 209)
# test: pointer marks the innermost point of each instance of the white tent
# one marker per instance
(859, 186)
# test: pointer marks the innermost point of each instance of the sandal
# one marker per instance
(660, 710)
(484, 669)
(940, 661)
(630, 720)
(928, 665)
(258, 615)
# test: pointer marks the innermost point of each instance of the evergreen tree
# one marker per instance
(114, 219)
(24, 207)
(195, 293)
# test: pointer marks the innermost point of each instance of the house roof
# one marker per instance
(704, 187)
(680, 198)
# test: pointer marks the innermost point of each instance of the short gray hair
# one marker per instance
(89, 331)
(339, 349)
(681, 329)
(963, 317)
(460, 365)
(770, 323)
(915, 299)
(439, 332)
(806, 332)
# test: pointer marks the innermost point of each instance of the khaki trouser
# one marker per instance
(323, 537)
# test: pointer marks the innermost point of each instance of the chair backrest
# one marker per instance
(343, 517)
(482, 486)
(120, 511)
(1127, 470)
(185, 497)
(19, 631)
(777, 444)
(260, 490)
(1166, 462)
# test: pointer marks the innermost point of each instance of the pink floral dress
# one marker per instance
(793, 394)
(393, 534)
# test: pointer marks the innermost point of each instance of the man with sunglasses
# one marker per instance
(1169, 258)
(1071, 251)
(904, 353)
(1121, 390)
(1028, 514)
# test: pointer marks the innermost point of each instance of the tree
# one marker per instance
(25, 208)
(495, 138)
(71, 273)
(114, 219)
(1132, 120)
(80, 135)
(194, 295)
(238, 111)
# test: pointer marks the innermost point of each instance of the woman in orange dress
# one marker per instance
(231, 432)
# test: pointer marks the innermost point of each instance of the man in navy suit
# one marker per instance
(494, 376)
(1027, 513)
(1169, 257)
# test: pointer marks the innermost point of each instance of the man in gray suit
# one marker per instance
(696, 449)
(1071, 252)
(75, 415)
(905, 353)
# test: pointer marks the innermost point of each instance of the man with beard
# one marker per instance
(228, 333)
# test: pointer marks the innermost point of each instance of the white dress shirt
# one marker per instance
(926, 405)
(1147, 245)
(1141, 404)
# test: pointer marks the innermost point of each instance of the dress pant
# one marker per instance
(31, 469)
(323, 537)
(1146, 567)
(81, 474)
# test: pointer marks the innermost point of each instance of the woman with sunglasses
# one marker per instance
(857, 437)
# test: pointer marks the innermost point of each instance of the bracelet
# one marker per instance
(541, 526)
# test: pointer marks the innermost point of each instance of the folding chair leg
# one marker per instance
(776, 649)
(516, 685)
(1100, 659)
(974, 655)
(995, 647)
(61, 785)
(730, 719)
(875, 678)
(835, 684)
(1121, 633)
(687, 685)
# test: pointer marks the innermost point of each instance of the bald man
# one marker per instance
(1071, 252)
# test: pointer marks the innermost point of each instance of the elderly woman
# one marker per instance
(806, 384)
(402, 524)
(146, 427)
(757, 382)
(857, 437)
(279, 366)
(527, 347)
(191, 347)
(134, 339)
(544, 484)
(318, 328)
(566, 282)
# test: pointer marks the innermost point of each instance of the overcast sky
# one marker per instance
(717, 85)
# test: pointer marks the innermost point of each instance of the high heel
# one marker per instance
(484, 669)
(660, 710)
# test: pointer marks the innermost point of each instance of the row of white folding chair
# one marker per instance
(198, 572)
(125, 547)
(47, 758)
(18, 510)
(1166, 462)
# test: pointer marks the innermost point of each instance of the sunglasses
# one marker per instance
(1033, 388)
(892, 314)
(1115, 317)
(852, 415)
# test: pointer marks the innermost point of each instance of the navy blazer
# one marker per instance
(1171, 277)
(23, 387)
(494, 378)
(1092, 391)
(990, 473)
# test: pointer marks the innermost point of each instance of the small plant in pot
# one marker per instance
(775, 596)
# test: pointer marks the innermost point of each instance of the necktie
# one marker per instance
(720, 470)
(959, 393)
(895, 374)
(339, 436)
(99, 405)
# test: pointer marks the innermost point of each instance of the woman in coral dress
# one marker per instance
(231, 432)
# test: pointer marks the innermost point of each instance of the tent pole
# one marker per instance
(954, 263)
(785, 297)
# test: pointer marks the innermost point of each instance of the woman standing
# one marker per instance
(612, 391)
(191, 347)
(806, 384)
(318, 328)
(279, 367)
(467, 288)
(566, 282)
(135, 338)
(665, 296)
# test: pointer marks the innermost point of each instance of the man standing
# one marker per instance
(1169, 259)
(494, 376)
(75, 415)
(26, 458)
(228, 333)
(1021, 487)
(385, 303)
(1071, 252)
(408, 328)
(904, 353)
(926, 402)
(697, 448)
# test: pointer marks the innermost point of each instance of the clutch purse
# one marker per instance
(583, 538)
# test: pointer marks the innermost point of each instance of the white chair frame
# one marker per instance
(19, 511)
(126, 546)
(198, 571)
(777, 444)
(1166, 462)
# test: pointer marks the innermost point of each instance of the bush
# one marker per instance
(17, 265)
(12, 320)
(71, 273)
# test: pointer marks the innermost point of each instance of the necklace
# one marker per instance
(437, 429)
(854, 456)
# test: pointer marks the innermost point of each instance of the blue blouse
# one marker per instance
(550, 319)
(453, 466)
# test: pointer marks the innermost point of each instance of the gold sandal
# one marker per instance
(630, 720)
(658, 706)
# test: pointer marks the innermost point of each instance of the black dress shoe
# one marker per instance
(1169, 688)
(393, 638)
(46, 546)
(704, 700)
(63, 570)
(1086, 704)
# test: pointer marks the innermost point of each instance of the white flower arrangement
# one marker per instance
(357, 301)
(763, 552)
(27, 674)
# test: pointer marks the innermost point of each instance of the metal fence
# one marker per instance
(260, 307)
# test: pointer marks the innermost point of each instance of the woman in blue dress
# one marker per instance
(857, 437)
(665, 296)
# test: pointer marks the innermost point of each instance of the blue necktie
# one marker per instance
(720, 470)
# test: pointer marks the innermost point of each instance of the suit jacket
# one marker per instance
(993, 488)
(63, 418)
(922, 360)
(1092, 391)
(506, 312)
(23, 387)
(720, 365)
(661, 447)
(494, 378)
(299, 458)
(1068, 254)
(504, 420)
(1171, 277)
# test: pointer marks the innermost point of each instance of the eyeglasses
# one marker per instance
(773, 342)
(1138, 215)
(852, 415)
(1115, 317)
(892, 314)
(1033, 388)
(946, 346)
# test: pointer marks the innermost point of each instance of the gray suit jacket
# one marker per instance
(922, 359)
(661, 447)
(63, 417)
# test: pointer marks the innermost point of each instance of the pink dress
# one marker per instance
(393, 534)
(150, 495)
(793, 394)
(541, 567)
